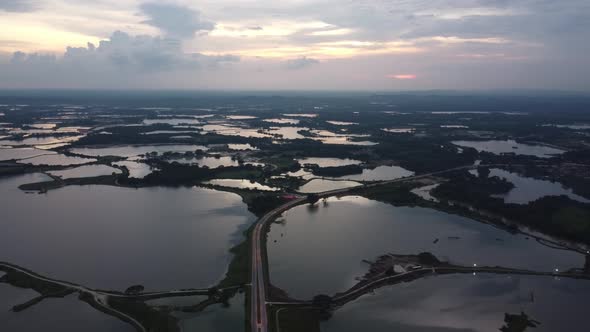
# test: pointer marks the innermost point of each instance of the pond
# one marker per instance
(66, 314)
(321, 185)
(320, 250)
(242, 184)
(328, 162)
(111, 238)
(301, 115)
(510, 146)
(529, 189)
(211, 162)
(21, 153)
(241, 147)
(135, 150)
(136, 169)
(172, 122)
(287, 132)
(380, 173)
(56, 159)
(41, 141)
(342, 123)
(467, 303)
(425, 192)
(282, 121)
(86, 172)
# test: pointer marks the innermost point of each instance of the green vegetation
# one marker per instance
(555, 215)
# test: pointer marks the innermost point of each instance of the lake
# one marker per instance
(110, 237)
(135, 150)
(467, 303)
(529, 189)
(380, 173)
(338, 234)
(320, 185)
(510, 146)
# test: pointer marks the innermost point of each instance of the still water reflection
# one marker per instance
(467, 303)
(111, 238)
(338, 234)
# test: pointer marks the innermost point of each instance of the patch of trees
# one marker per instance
(261, 204)
(555, 215)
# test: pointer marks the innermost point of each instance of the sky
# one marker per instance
(295, 44)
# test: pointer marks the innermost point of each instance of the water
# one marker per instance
(242, 184)
(510, 146)
(529, 189)
(339, 234)
(320, 185)
(282, 121)
(135, 150)
(342, 123)
(381, 173)
(287, 132)
(54, 314)
(210, 162)
(173, 122)
(86, 172)
(56, 159)
(466, 303)
(110, 238)
(241, 147)
(47, 140)
(399, 130)
(301, 115)
(226, 130)
(241, 117)
(329, 162)
(136, 169)
(169, 132)
(570, 126)
(217, 317)
(424, 192)
(21, 153)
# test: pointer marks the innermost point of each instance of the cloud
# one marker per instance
(130, 53)
(402, 76)
(121, 58)
(300, 63)
(175, 21)
(17, 5)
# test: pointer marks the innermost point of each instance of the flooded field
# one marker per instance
(135, 150)
(111, 238)
(528, 189)
(136, 170)
(329, 162)
(341, 232)
(466, 303)
(380, 173)
(56, 159)
(242, 184)
(21, 153)
(319, 185)
(510, 146)
(85, 171)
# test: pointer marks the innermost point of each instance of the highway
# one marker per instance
(258, 305)
(259, 317)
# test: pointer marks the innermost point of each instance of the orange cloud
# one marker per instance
(402, 76)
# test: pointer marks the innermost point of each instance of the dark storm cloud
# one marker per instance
(175, 21)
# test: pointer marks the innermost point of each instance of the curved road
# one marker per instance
(258, 314)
